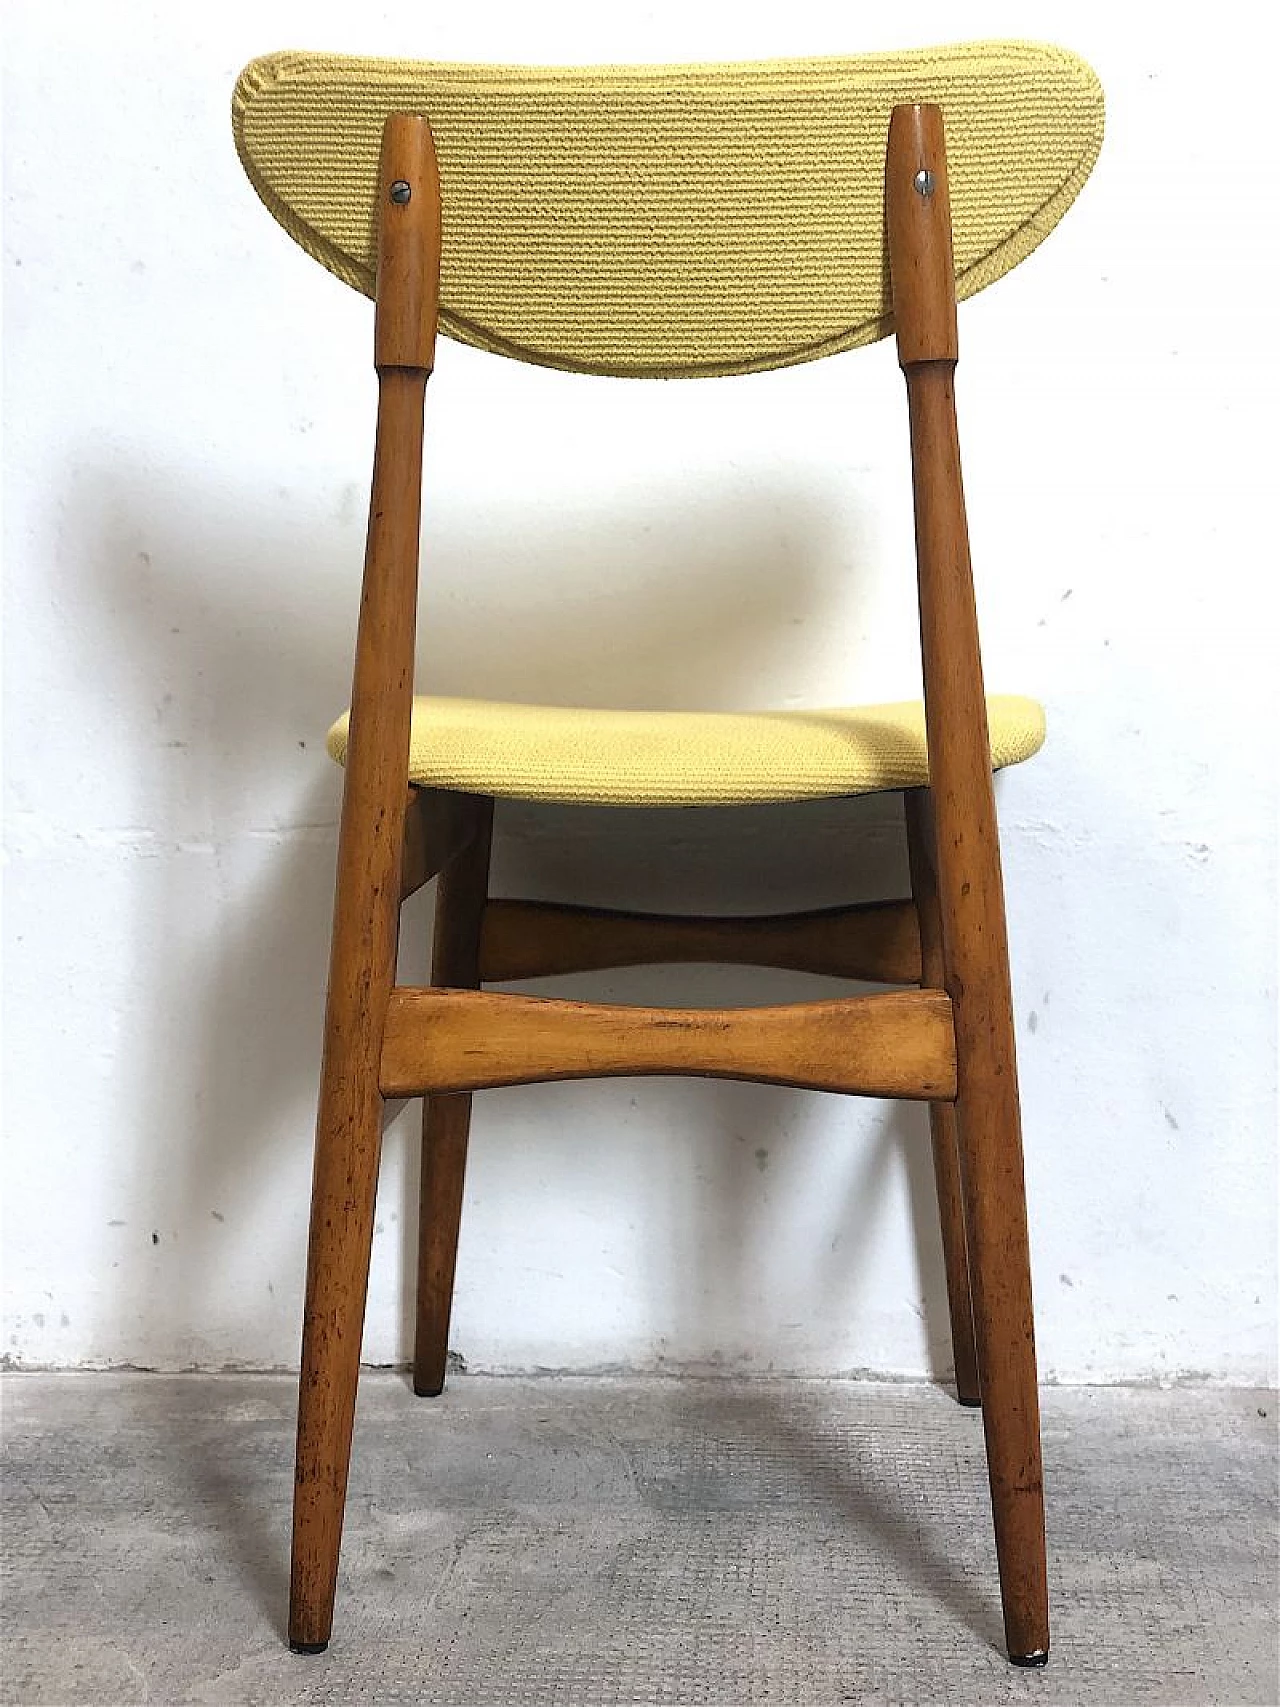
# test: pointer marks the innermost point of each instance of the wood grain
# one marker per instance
(438, 825)
(942, 1115)
(877, 941)
(917, 199)
(970, 888)
(446, 1119)
(407, 300)
(366, 908)
(897, 1045)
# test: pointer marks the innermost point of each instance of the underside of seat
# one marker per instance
(668, 758)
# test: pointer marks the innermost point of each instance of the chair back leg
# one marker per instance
(970, 888)
(371, 849)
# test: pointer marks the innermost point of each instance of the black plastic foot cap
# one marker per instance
(1037, 1659)
(428, 1392)
(307, 1647)
(969, 1404)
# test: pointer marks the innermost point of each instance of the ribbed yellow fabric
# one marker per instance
(664, 221)
(676, 758)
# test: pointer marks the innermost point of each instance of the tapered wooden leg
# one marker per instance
(370, 868)
(1000, 1276)
(347, 1149)
(445, 1129)
(977, 1148)
(946, 1176)
(977, 1151)
(942, 1118)
(460, 900)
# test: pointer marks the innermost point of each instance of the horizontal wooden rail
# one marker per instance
(437, 826)
(878, 941)
(897, 1045)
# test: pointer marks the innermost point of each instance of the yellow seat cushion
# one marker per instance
(677, 758)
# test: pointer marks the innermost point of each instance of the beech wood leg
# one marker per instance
(1000, 1275)
(969, 883)
(946, 1177)
(371, 845)
(942, 1117)
(346, 1172)
(461, 893)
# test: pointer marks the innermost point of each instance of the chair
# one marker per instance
(669, 221)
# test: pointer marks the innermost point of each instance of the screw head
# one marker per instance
(922, 183)
(400, 192)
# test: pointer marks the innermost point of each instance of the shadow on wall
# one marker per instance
(224, 630)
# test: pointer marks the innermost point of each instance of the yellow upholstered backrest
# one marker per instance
(671, 220)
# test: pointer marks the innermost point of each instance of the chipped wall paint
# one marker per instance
(190, 404)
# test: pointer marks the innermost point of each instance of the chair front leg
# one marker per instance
(942, 1115)
(945, 1143)
(461, 893)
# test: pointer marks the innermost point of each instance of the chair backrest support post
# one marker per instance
(969, 877)
(374, 797)
(969, 884)
(370, 843)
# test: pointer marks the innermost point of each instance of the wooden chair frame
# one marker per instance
(948, 1041)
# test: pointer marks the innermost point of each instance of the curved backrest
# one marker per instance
(664, 221)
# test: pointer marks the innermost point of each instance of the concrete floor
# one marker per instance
(582, 1543)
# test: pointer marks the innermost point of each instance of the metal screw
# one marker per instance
(923, 182)
(400, 192)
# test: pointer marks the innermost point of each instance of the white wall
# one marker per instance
(189, 402)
